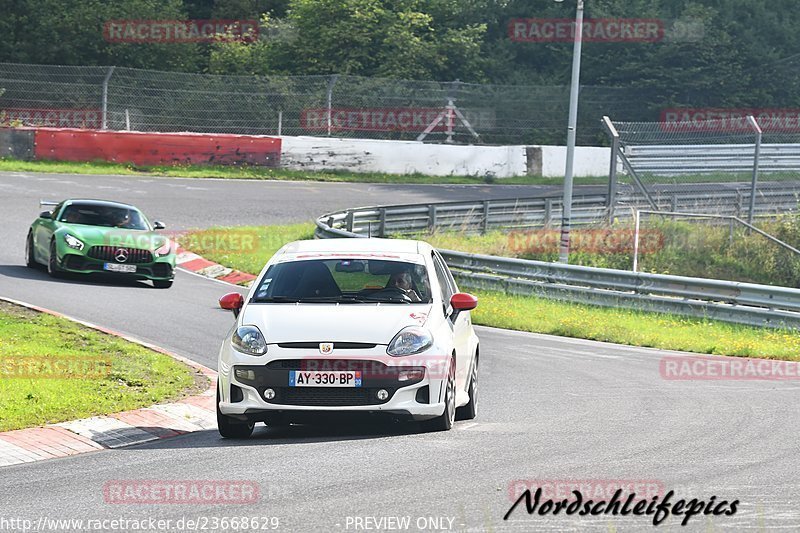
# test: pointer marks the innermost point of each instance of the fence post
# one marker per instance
(485, 222)
(756, 156)
(329, 100)
(280, 122)
(105, 97)
(636, 242)
(611, 199)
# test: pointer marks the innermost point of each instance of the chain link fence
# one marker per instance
(749, 164)
(341, 106)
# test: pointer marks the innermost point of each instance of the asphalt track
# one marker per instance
(550, 408)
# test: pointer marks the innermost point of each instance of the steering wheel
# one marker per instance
(394, 291)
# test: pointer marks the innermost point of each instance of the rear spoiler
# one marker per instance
(47, 203)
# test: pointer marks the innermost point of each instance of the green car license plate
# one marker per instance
(113, 267)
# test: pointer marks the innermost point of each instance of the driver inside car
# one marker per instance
(402, 281)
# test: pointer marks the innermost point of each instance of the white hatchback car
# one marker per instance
(348, 326)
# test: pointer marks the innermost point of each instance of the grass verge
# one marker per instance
(53, 370)
(679, 247)
(537, 315)
(244, 248)
(262, 173)
(635, 328)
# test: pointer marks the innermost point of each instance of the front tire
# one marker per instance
(30, 260)
(446, 420)
(161, 284)
(231, 428)
(52, 261)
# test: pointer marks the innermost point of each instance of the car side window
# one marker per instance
(448, 274)
(442, 276)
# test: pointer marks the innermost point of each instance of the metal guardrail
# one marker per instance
(742, 303)
(670, 160)
(523, 213)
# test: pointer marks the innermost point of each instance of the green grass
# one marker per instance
(655, 330)
(121, 375)
(538, 315)
(695, 249)
(262, 173)
(245, 248)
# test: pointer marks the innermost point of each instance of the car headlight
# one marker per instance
(165, 249)
(73, 242)
(249, 340)
(409, 341)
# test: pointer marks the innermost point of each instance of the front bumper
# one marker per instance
(162, 268)
(242, 392)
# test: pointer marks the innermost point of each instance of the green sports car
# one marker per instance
(96, 236)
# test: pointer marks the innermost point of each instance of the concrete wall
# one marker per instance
(406, 157)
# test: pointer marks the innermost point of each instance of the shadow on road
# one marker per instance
(23, 272)
(295, 434)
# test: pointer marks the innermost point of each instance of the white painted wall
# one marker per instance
(589, 161)
(406, 157)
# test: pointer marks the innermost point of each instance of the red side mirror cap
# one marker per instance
(232, 301)
(462, 301)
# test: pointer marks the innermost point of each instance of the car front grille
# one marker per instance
(328, 364)
(109, 253)
(336, 345)
(328, 397)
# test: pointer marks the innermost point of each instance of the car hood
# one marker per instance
(101, 236)
(368, 323)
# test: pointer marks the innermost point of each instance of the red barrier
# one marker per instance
(156, 148)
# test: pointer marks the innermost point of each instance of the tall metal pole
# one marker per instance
(756, 156)
(104, 120)
(566, 216)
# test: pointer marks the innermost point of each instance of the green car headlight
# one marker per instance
(73, 242)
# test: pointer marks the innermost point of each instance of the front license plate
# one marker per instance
(302, 378)
(113, 267)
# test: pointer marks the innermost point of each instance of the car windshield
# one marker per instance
(103, 215)
(344, 280)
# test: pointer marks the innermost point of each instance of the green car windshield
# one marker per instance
(105, 216)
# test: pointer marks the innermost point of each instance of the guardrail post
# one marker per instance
(739, 203)
(382, 222)
(548, 212)
(756, 157)
(485, 221)
(431, 218)
(349, 221)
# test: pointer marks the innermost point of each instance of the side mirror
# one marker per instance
(46, 214)
(232, 301)
(462, 301)
(158, 225)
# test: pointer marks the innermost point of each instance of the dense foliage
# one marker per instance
(714, 53)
